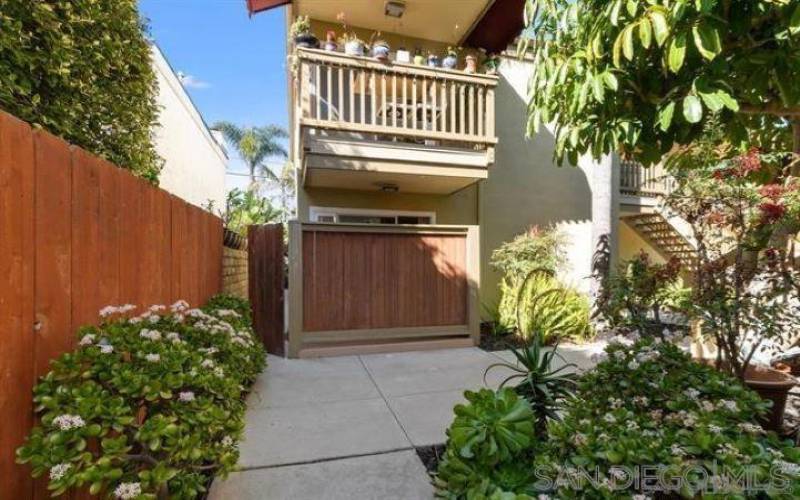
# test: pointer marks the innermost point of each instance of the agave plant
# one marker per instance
(538, 381)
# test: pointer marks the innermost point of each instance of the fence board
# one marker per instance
(16, 300)
(266, 281)
(357, 281)
(77, 233)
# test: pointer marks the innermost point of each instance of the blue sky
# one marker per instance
(237, 64)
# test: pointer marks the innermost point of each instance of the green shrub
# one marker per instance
(148, 405)
(81, 69)
(534, 249)
(544, 307)
(234, 303)
(645, 404)
(485, 443)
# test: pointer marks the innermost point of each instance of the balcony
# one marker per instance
(362, 124)
(643, 186)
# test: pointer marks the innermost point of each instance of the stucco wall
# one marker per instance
(458, 208)
(194, 163)
(526, 188)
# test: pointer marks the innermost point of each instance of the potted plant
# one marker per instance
(742, 210)
(491, 64)
(451, 59)
(353, 45)
(472, 64)
(402, 55)
(419, 59)
(380, 48)
(433, 60)
(300, 33)
(330, 41)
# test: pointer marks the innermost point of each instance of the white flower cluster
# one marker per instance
(128, 491)
(788, 468)
(615, 403)
(111, 310)
(751, 428)
(179, 306)
(227, 442)
(58, 471)
(157, 308)
(729, 405)
(684, 418)
(641, 400)
(727, 449)
(186, 396)
(69, 422)
(222, 313)
(87, 339)
(152, 357)
(208, 363)
(174, 337)
(677, 450)
(153, 335)
(106, 348)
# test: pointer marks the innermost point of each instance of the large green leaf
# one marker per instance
(645, 32)
(692, 109)
(660, 27)
(706, 39)
(677, 52)
(665, 116)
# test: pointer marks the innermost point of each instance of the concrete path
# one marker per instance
(346, 427)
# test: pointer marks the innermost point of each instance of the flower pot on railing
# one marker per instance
(450, 61)
(330, 41)
(472, 64)
(419, 59)
(306, 40)
(354, 48)
(380, 51)
(433, 61)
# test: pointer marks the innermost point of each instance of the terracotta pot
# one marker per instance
(771, 385)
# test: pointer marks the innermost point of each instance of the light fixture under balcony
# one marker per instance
(387, 187)
(395, 8)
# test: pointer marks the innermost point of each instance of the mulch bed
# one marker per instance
(491, 342)
(430, 456)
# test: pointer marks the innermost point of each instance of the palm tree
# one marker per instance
(254, 145)
(285, 183)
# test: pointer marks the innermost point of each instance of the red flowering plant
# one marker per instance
(744, 214)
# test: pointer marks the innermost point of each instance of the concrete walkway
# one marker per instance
(346, 427)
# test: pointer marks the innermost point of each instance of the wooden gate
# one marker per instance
(369, 288)
(266, 277)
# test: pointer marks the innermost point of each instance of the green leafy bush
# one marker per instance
(534, 249)
(641, 294)
(147, 405)
(81, 69)
(545, 307)
(645, 404)
(485, 442)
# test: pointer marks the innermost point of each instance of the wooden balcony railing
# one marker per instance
(651, 182)
(337, 92)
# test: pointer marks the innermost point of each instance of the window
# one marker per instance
(366, 216)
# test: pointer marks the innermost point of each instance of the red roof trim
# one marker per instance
(501, 24)
(256, 6)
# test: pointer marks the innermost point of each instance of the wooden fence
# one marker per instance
(362, 285)
(266, 281)
(76, 234)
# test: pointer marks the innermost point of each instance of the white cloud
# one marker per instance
(192, 82)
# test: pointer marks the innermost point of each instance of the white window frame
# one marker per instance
(335, 212)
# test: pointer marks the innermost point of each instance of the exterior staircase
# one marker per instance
(657, 231)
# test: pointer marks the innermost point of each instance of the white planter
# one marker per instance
(354, 48)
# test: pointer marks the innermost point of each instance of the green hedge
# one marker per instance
(81, 69)
(147, 405)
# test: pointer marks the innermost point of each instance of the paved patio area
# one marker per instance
(346, 427)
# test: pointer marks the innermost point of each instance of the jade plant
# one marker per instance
(148, 405)
(647, 406)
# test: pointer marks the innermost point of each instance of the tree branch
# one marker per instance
(771, 109)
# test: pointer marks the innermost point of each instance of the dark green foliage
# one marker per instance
(544, 386)
(238, 304)
(150, 404)
(81, 69)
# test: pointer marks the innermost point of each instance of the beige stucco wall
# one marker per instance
(194, 162)
(526, 188)
(630, 244)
